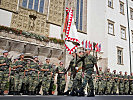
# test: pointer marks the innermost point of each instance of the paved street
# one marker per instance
(65, 98)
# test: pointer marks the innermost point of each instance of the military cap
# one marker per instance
(81, 51)
(35, 57)
(87, 49)
(47, 58)
(21, 54)
(5, 51)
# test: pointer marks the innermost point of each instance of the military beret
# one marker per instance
(5, 51)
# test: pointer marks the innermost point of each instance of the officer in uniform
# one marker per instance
(88, 69)
(61, 79)
(19, 74)
(4, 72)
(121, 83)
(114, 83)
(131, 84)
(108, 77)
(71, 73)
(126, 84)
(46, 71)
(77, 82)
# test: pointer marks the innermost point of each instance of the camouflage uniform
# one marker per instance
(131, 84)
(19, 76)
(61, 83)
(46, 78)
(52, 79)
(108, 77)
(77, 81)
(114, 83)
(72, 71)
(121, 84)
(88, 70)
(33, 76)
(100, 82)
(4, 73)
(126, 84)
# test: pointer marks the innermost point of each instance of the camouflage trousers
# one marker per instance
(70, 83)
(46, 80)
(33, 82)
(11, 87)
(121, 87)
(18, 80)
(88, 79)
(101, 87)
(126, 87)
(131, 87)
(114, 87)
(108, 87)
(61, 83)
(77, 81)
(4, 80)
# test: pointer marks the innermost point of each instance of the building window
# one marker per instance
(110, 3)
(119, 56)
(37, 5)
(121, 7)
(131, 13)
(30, 5)
(41, 6)
(81, 15)
(123, 32)
(110, 27)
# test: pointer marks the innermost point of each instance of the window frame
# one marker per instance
(124, 28)
(111, 5)
(111, 22)
(131, 15)
(33, 6)
(122, 3)
(120, 49)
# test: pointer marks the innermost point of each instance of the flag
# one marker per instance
(71, 38)
(99, 47)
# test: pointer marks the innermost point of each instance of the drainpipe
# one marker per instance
(130, 59)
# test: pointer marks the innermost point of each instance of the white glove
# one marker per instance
(76, 68)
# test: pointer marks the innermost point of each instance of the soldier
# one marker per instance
(61, 79)
(114, 83)
(88, 69)
(19, 75)
(47, 74)
(77, 82)
(12, 76)
(131, 84)
(71, 73)
(100, 81)
(33, 75)
(4, 72)
(121, 83)
(126, 84)
(52, 79)
(108, 77)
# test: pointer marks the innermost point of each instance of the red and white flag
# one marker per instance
(71, 38)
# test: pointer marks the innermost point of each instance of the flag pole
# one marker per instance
(64, 54)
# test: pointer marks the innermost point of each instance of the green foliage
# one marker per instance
(31, 35)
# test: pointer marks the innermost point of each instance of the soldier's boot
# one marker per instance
(91, 94)
(30, 93)
(1, 92)
(81, 92)
(45, 93)
(67, 92)
(73, 93)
